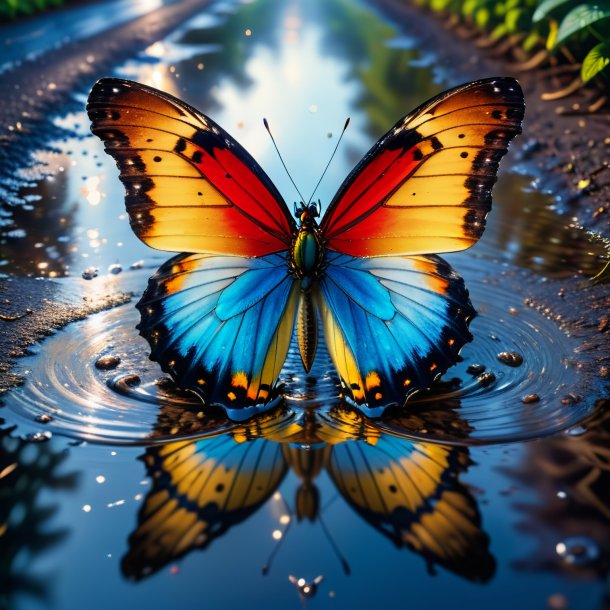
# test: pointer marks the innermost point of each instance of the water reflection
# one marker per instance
(26, 528)
(570, 519)
(410, 492)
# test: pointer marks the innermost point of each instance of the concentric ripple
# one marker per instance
(105, 389)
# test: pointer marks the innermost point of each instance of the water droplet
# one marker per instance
(115, 269)
(530, 398)
(476, 369)
(576, 431)
(578, 551)
(45, 418)
(38, 437)
(107, 363)
(510, 358)
(89, 273)
(486, 379)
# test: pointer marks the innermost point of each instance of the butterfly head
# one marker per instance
(307, 212)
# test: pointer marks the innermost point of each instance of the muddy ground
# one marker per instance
(571, 149)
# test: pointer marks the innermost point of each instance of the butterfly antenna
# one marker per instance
(333, 544)
(282, 160)
(276, 547)
(331, 158)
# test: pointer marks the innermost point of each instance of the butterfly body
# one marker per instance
(220, 317)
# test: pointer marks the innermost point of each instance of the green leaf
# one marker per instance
(595, 61)
(482, 17)
(551, 40)
(499, 32)
(546, 7)
(581, 17)
(516, 20)
(530, 43)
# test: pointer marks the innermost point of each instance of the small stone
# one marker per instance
(476, 369)
(107, 363)
(510, 358)
(89, 273)
(604, 372)
(115, 269)
(530, 398)
(570, 399)
(38, 437)
(486, 379)
(45, 418)
(604, 324)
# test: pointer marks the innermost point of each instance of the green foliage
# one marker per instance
(550, 8)
(10, 9)
(580, 18)
(572, 30)
(597, 59)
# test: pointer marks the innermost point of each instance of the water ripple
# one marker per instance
(483, 399)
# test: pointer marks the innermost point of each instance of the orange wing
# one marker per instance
(425, 187)
(190, 187)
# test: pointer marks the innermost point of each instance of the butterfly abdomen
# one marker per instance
(307, 330)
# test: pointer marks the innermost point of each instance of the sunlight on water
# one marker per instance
(312, 501)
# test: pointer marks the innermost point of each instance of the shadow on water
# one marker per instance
(26, 529)
(450, 478)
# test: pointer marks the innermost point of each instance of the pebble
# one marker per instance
(476, 369)
(89, 273)
(107, 363)
(45, 418)
(530, 398)
(486, 379)
(510, 358)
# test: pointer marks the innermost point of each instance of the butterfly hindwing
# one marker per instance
(392, 324)
(222, 325)
(200, 489)
(410, 492)
(190, 187)
(425, 187)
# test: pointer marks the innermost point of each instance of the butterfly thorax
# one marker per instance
(306, 264)
(307, 251)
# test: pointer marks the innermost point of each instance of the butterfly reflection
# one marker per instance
(408, 491)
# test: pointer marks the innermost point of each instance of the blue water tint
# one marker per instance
(306, 67)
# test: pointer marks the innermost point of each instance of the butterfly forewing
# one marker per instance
(190, 187)
(425, 187)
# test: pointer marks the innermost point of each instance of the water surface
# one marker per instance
(472, 494)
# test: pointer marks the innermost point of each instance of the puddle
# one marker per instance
(148, 486)
(481, 400)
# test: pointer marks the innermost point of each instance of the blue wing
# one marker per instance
(222, 325)
(411, 493)
(200, 489)
(392, 324)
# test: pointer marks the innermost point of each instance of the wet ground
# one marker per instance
(116, 488)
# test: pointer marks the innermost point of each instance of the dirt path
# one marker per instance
(45, 86)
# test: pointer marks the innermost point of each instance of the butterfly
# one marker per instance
(408, 491)
(220, 316)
